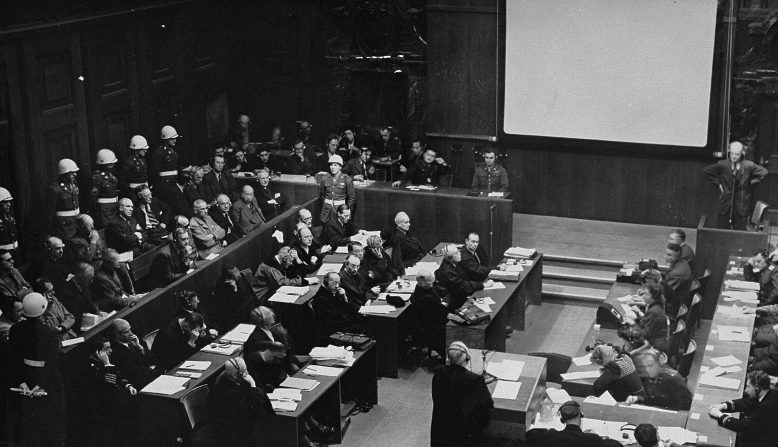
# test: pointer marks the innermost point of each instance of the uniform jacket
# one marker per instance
(756, 426)
(8, 229)
(739, 184)
(134, 170)
(164, 158)
(423, 173)
(336, 188)
(768, 282)
(490, 179)
(62, 197)
(295, 166)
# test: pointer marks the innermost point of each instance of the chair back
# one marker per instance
(196, 406)
(693, 318)
(556, 365)
(676, 342)
(149, 338)
(758, 215)
(685, 364)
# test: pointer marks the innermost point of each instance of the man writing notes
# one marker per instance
(734, 178)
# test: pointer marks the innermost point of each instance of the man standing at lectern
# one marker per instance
(734, 177)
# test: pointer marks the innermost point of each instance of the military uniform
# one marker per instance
(63, 209)
(105, 192)
(134, 173)
(163, 166)
(335, 191)
(8, 236)
(490, 179)
(423, 173)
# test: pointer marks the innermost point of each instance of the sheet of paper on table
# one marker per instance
(719, 382)
(195, 365)
(495, 286)
(379, 309)
(732, 311)
(504, 275)
(557, 395)
(732, 295)
(328, 268)
(318, 370)
(239, 334)
(402, 286)
(678, 435)
(283, 405)
(625, 298)
(506, 370)
(279, 297)
(727, 360)
(583, 360)
(166, 385)
(604, 399)
(341, 250)
(506, 390)
(300, 383)
(741, 285)
(420, 266)
(734, 333)
(593, 374)
(286, 394)
(648, 408)
(294, 290)
(483, 306)
(223, 349)
(212, 256)
(404, 296)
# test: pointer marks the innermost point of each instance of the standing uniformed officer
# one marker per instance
(8, 238)
(134, 169)
(62, 200)
(163, 166)
(105, 189)
(335, 189)
(35, 350)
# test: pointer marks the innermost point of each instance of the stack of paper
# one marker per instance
(504, 275)
(223, 349)
(736, 284)
(729, 360)
(719, 382)
(506, 390)
(291, 394)
(519, 252)
(332, 356)
(195, 365)
(319, 370)
(557, 395)
(584, 360)
(300, 384)
(404, 296)
(576, 375)
(604, 399)
(279, 297)
(421, 266)
(166, 385)
(381, 309)
(328, 268)
(239, 335)
(283, 405)
(495, 286)
(732, 311)
(506, 370)
(734, 333)
(289, 294)
(496, 194)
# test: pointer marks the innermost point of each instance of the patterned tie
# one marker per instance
(150, 219)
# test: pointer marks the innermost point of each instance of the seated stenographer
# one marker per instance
(660, 388)
(652, 320)
(618, 377)
(571, 414)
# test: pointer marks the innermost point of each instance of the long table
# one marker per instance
(436, 216)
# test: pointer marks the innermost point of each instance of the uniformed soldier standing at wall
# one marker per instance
(62, 201)
(335, 189)
(163, 166)
(134, 169)
(105, 189)
(8, 237)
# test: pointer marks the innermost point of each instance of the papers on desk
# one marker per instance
(505, 275)
(626, 298)
(725, 361)
(421, 188)
(381, 309)
(736, 284)
(363, 183)
(402, 286)
(678, 435)
(496, 194)
(332, 356)
(720, 370)
(300, 384)
(279, 297)
(223, 349)
(328, 268)
(712, 381)
(506, 390)
(290, 394)
(126, 256)
(72, 341)
(495, 286)
(283, 405)
(318, 370)
(593, 374)
(341, 250)
(604, 399)
(648, 408)
(739, 295)
(519, 252)
(431, 267)
(189, 374)
(583, 360)
(484, 304)
(509, 370)
(294, 290)
(404, 296)
(295, 178)
(195, 365)
(240, 334)
(732, 311)
(166, 385)
(734, 333)
(609, 429)
(557, 395)
(212, 256)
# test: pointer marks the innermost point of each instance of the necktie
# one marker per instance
(150, 219)
(476, 257)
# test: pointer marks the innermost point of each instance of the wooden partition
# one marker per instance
(714, 247)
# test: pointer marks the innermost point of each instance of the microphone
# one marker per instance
(492, 207)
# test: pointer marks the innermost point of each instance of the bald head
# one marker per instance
(55, 247)
(126, 207)
(200, 208)
(402, 221)
(305, 217)
(247, 194)
(735, 151)
(451, 252)
(235, 368)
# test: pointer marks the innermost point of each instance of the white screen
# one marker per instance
(636, 71)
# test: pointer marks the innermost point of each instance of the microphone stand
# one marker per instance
(491, 232)
(488, 378)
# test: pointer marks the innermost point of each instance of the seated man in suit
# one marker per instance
(406, 248)
(131, 354)
(76, 295)
(125, 233)
(246, 212)
(172, 193)
(490, 176)
(305, 217)
(179, 340)
(360, 168)
(51, 263)
(571, 414)
(276, 272)
(355, 284)
(271, 202)
(56, 316)
(86, 245)
(222, 215)
(298, 163)
(112, 289)
(173, 261)
(219, 181)
(333, 310)
(338, 232)
(377, 265)
(241, 162)
(426, 171)
(13, 286)
(756, 426)
(474, 259)
(267, 349)
(431, 311)
(677, 281)
(153, 216)
(208, 236)
(311, 255)
(678, 236)
(454, 278)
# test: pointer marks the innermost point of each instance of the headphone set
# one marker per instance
(573, 404)
(460, 347)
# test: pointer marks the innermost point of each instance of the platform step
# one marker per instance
(578, 274)
(568, 260)
(579, 295)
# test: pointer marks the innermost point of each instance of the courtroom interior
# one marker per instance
(306, 223)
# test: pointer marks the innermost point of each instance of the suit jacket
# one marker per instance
(431, 316)
(355, 167)
(311, 259)
(174, 197)
(687, 254)
(461, 407)
(171, 346)
(677, 283)
(120, 234)
(159, 211)
(476, 265)
(248, 218)
(108, 293)
(207, 235)
(168, 265)
(337, 234)
(76, 296)
(224, 185)
(80, 249)
(231, 229)
(756, 426)
(271, 372)
(270, 275)
(454, 278)
(356, 288)
(265, 195)
(738, 184)
(379, 270)
(134, 363)
(333, 312)
(571, 435)
(406, 248)
(228, 306)
(422, 173)
(295, 166)
(57, 270)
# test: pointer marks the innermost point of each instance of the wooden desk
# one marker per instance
(584, 387)
(705, 396)
(521, 410)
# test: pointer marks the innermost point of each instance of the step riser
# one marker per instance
(577, 301)
(581, 279)
(595, 287)
(591, 262)
(581, 265)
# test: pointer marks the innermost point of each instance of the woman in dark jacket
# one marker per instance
(653, 322)
(618, 377)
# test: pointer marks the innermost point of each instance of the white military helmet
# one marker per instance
(34, 304)
(106, 157)
(5, 195)
(139, 142)
(336, 159)
(168, 132)
(66, 165)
